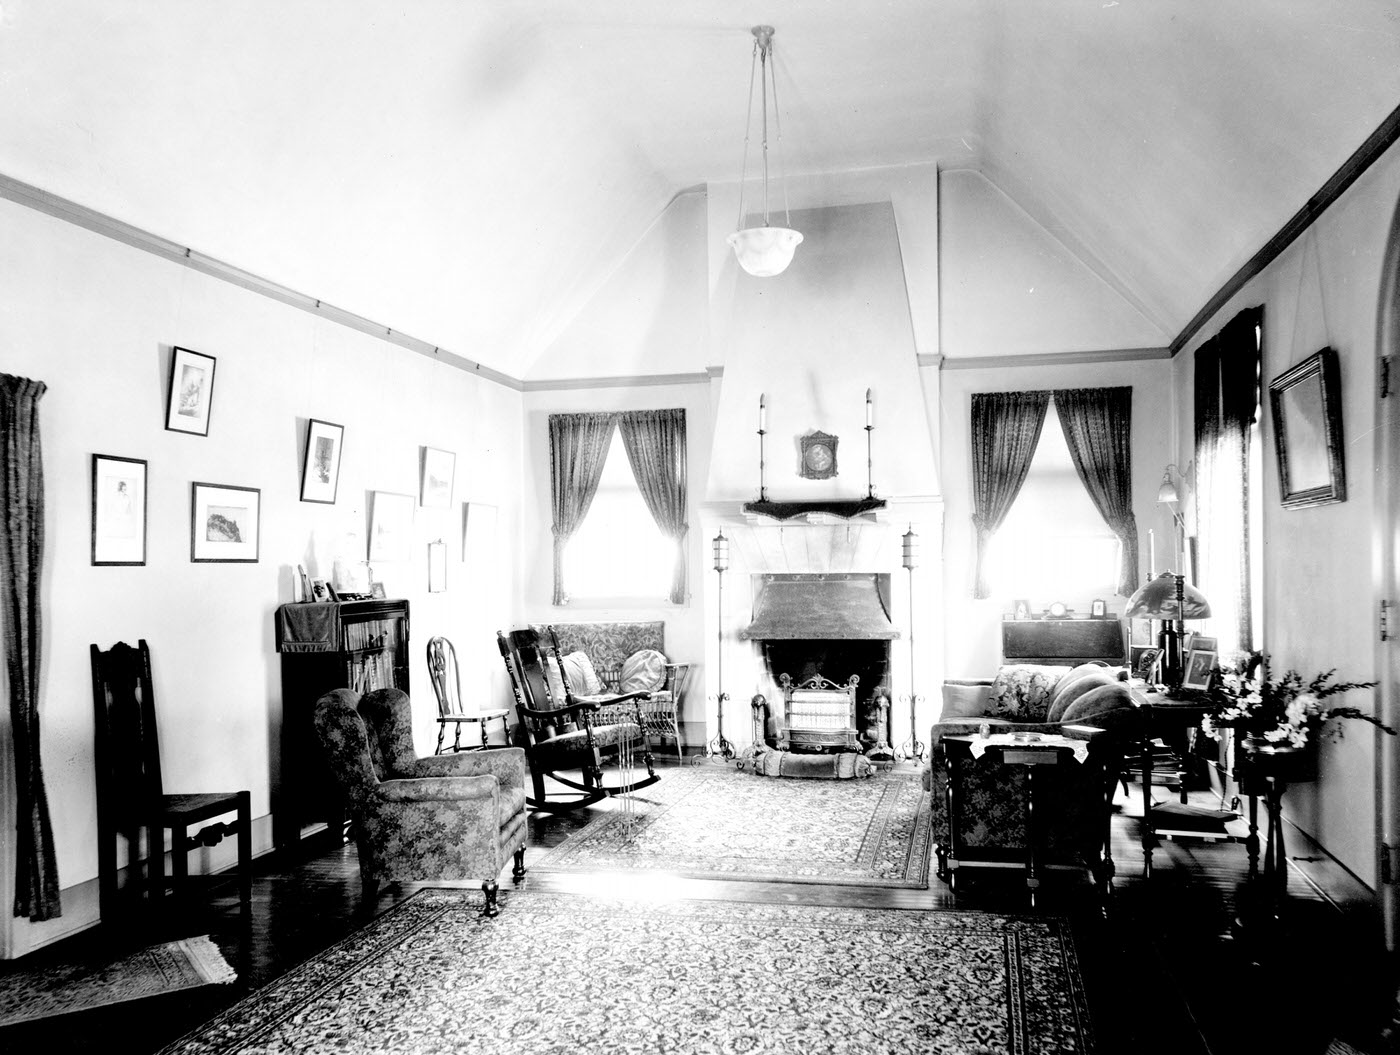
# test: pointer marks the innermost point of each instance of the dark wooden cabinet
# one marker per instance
(366, 649)
(1067, 642)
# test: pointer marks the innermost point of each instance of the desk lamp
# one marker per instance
(1168, 598)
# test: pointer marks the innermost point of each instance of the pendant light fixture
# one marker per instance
(766, 250)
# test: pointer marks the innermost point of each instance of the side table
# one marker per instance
(1159, 710)
(1268, 769)
(1031, 752)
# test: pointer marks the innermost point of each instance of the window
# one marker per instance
(618, 552)
(1054, 545)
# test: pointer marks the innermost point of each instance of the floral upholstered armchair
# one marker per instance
(1090, 702)
(444, 817)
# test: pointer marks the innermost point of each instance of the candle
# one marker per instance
(869, 410)
(762, 412)
(1151, 555)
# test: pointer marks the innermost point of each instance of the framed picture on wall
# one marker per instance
(320, 464)
(118, 510)
(390, 525)
(191, 393)
(224, 524)
(435, 489)
(1307, 406)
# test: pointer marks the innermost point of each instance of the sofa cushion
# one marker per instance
(643, 671)
(1064, 696)
(1021, 691)
(1103, 705)
(583, 679)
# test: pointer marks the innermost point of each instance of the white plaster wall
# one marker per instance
(1318, 563)
(95, 320)
(973, 627)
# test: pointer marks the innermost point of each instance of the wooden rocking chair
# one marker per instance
(557, 729)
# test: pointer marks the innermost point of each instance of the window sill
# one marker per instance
(618, 602)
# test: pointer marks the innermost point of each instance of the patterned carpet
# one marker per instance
(715, 823)
(27, 994)
(431, 976)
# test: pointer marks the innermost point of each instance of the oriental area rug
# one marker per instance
(559, 974)
(710, 822)
(60, 988)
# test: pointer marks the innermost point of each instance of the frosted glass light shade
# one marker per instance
(764, 251)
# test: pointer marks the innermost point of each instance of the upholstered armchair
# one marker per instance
(440, 818)
(1091, 702)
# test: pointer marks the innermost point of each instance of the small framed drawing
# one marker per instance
(390, 525)
(320, 466)
(1307, 406)
(191, 392)
(118, 510)
(1021, 610)
(224, 524)
(437, 566)
(376, 589)
(1198, 669)
(1098, 608)
(320, 590)
(435, 488)
(1145, 662)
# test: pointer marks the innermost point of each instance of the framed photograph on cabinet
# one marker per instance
(191, 392)
(1098, 608)
(320, 466)
(390, 525)
(435, 488)
(1307, 406)
(1021, 609)
(224, 524)
(118, 510)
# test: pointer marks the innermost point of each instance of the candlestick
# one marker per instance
(762, 412)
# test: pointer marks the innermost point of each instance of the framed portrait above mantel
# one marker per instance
(1306, 402)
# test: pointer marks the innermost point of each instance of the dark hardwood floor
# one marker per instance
(1163, 965)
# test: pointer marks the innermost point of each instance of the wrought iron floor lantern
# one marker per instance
(719, 746)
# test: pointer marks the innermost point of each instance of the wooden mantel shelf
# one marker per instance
(846, 510)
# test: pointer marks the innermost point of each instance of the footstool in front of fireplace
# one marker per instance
(770, 762)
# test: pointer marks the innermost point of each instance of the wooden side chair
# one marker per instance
(131, 799)
(557, 729)
(442, 670)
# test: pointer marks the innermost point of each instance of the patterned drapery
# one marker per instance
(21, 564)
(1097, 424)
(655, 442)
(1226, 400)
(578, 447)
(1005, 431)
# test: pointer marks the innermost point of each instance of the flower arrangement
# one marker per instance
(1286, 712)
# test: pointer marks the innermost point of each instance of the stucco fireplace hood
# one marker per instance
(801, 607)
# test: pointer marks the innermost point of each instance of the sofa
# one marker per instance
(1092, 702)
(605, 658)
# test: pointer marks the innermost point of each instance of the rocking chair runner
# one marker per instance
(557, 728)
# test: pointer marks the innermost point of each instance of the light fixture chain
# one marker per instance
(748, 126)
(765, 75)
(778, 128)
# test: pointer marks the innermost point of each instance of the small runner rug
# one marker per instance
(559, 974)
(60, 988)
(717, 823)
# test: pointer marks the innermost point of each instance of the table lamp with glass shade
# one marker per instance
(1170, 599)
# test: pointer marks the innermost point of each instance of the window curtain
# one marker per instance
(1097, 424)
(21, 562)
(1005, 431)
(655, 442)
(578, 447)
(1226, 401)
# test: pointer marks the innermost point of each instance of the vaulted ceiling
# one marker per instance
(465, 170)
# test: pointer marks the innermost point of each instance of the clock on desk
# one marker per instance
(818, 456)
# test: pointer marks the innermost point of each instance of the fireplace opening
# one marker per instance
(836, 661)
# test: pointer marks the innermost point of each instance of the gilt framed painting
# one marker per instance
(1306, 401)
